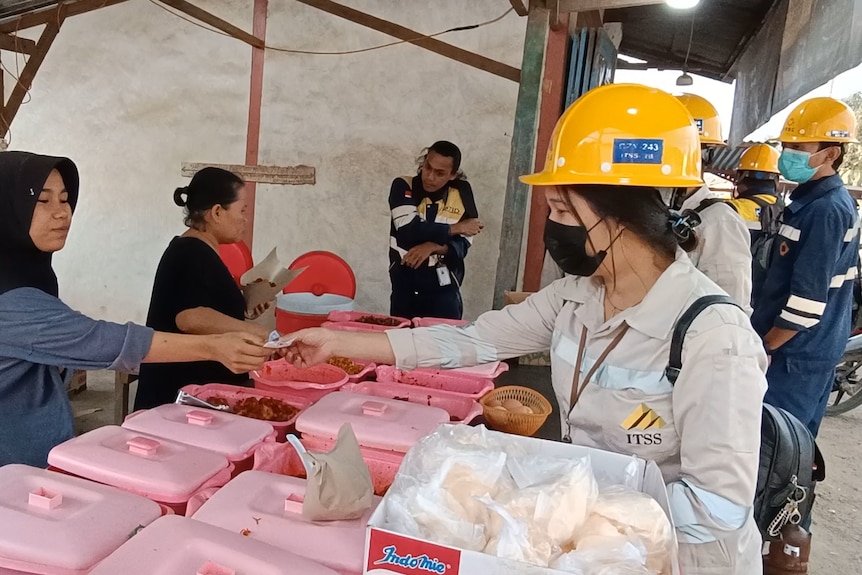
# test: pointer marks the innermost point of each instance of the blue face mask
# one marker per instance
(793, 165)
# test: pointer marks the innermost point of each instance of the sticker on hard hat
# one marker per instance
(838, 134)
(631, 151)
(699, 123)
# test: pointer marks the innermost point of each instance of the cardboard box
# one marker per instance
(389, 553)
(515, 297)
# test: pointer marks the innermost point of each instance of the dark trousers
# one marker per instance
(442, 303)
(801, 387)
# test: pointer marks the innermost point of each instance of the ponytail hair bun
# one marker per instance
(178, 196)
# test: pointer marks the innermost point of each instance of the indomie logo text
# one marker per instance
(422, 562)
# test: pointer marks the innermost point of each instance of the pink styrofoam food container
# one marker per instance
(181, 546)
(234, 393)
(357, 327)
(230, 435)
(276, 500)
(159, 469)
(462, 384)
(353, 317)
(432, 321)
(378, 423)
(368, 371)
(56, 524)
(461, 409)
(312, 382)
(283, 460)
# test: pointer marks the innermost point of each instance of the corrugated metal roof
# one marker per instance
(660, 35)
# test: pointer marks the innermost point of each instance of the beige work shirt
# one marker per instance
(723, 249)
(704, 432)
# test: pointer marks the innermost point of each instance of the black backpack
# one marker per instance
(790, 462)
(762, 240)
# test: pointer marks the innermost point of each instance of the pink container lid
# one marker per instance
(461, 409)
(325, 273)
(55, 524)
(159, 469)
(276, 500)
(378, 422)
(231, 435)
(235, 393)
(180, 546)
(463, 384)
(279, 374)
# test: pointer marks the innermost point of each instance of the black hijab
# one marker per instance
(22, 177)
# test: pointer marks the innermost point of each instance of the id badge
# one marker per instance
(444, 278)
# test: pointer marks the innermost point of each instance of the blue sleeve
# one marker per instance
(818, 243)
(459, 245)
(409, 229)
(39, 328)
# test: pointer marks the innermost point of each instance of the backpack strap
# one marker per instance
(761, 201)
(674, 366)
(711, 202)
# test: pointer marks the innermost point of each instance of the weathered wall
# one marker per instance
(130, 92)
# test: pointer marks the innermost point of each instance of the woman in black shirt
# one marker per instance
(193, 291)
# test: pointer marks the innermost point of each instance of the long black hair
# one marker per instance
(642, 211)
(209, 187)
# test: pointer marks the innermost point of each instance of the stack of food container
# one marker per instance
(269, 508)
(55, 524)
(279, 409)
(165, 471)
(175, 545)
(232, 436)
(385, 428)
(362, 321)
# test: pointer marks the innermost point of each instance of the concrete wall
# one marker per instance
(130, 92)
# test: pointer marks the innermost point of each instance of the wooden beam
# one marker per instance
(416, 38)
(520, 8)
(28, 74)
(70, 7)
(587, 5)
(553, 97)
(255, 104)
(590, 19)
(214, 21)
(17, 44)
(521, 158)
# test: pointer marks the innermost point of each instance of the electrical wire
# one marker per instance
(690, 40)
(337, 53)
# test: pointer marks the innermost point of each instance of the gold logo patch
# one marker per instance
(643, 417)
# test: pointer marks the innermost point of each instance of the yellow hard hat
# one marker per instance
(705, 117)
(623, 134)
(759, 158)
(820, 120)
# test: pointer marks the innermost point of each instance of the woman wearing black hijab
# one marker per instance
(41, 338)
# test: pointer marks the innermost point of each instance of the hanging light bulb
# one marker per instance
(685, 80)
(682, 4)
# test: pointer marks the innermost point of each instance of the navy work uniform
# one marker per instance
(809, 289)
(432, 290)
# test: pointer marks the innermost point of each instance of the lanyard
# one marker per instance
(577, 386)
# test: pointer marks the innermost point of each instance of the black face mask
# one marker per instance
(568, 248)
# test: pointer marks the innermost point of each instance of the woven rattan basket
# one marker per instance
(517, 423)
